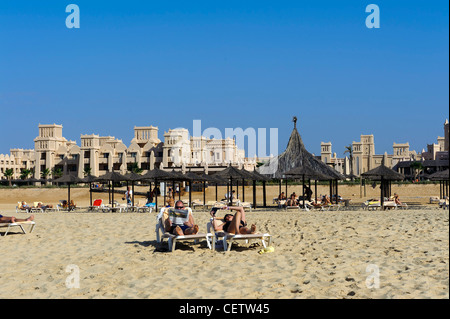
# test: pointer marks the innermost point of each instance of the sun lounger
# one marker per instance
(443, 203)
(96, 205)
(434, 199)
(197, 203)
(371, 204)
(227, 238)
(161, 233)
(17, 224)
(141, 207)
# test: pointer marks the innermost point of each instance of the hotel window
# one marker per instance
(105, 155)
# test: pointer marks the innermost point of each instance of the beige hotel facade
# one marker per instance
(102, 154)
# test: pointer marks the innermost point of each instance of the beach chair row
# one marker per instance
(212, 237)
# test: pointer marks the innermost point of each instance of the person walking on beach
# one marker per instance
(128, 194)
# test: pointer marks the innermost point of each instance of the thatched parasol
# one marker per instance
(386, 176)
(69, 179)
(231, 173)
(443, 178)
(156, 175)
(89, 179)
(112, 177)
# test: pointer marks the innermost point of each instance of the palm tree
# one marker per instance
(8, 173)
(349, 150)
(416, 167)
(57, 172)
(45, 173)
(135, 168)
(87, 171)
(24, 173)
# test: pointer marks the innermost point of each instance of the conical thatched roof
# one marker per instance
(440, 176)
(383, 172)
(294, 156)
(306, 172)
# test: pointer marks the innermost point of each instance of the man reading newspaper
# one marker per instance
(180, 221)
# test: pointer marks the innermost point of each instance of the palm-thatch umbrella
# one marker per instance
(231, 173)
(69, 179)
(133, 177)
(296, 155)
(306, 172)
(156, 175)
(112, 177)
(89, 179)
(385, 175)
(443, 178)
(254, 176)
(214, 179)
(192, 177)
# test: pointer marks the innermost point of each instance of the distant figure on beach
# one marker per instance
(326, 200)
(44, 207)
(292, 201)
(397, 199)
(281, 196)
(6, 219)
(170, 202)
(235, 224)
(307, 193)
(170, 192)
(187, 228)
(230, 195)
(128, 195)
(149, 197)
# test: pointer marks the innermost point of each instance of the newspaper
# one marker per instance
(178, 216)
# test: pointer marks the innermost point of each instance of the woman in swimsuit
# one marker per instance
(235, 224)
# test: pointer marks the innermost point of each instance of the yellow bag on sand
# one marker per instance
(268, 249)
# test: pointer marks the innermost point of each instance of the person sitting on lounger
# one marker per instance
(24, 205)
(326, 200)
(44, 207)
(235, 224)
(292, 201)
(186, 228)
(282, 196)
(5, 219)
(397, 199)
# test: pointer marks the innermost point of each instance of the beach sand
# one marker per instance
(317, 255)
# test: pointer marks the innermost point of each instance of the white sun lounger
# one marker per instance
(228, 238)
(18, 224)
(172, 239)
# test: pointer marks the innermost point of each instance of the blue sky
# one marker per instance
(248, 64)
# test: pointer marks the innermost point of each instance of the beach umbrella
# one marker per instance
(112, 177)
(296, 155)
(231, 173)
(443, 178)
(69, 179)
(133, 177)
(385, 175)
(306, 172)
(89, 179)
(156, 175)
(199, 178)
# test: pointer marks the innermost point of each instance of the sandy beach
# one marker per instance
(317, 255)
